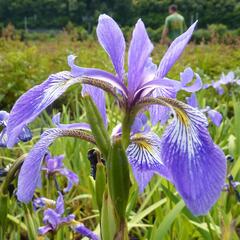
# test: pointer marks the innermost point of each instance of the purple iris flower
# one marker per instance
(196, 166)
(24, 135)
(53, 219)
(214, 115)
(229, 78)
(54, 165)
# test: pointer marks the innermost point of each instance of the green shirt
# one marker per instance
(175, 24)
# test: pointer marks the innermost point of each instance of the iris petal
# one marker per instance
(34, 101)
(192, 100)
(112, 40)
(144, 155)
(96, 74)
(138, 55)
(60, 204)
(198, 166)
(174, 52)
(81, 229)
(71, 176)
(186, 77)
(158, 112)
(215, 116)
(32, 164)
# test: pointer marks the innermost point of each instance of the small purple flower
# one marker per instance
(214, 115)
(224, 80)
(54, 165)
(24, 135)
(53, 218)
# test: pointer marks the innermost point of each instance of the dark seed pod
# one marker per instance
(230, 158)
(94, 157)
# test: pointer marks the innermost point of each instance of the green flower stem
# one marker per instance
(126, 129)
(4, 194)
(11, 175)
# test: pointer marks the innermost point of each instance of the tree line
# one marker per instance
(42, 14)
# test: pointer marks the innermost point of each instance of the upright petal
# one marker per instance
(112, 40)
(197, 165)
(144, 155)
(174, 52)
(160, 113)
(98, 97)
(215, 116)
(96, 74)
(138, 55)
(192, 100)
(187, 77)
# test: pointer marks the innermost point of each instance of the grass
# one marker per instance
(158, 213)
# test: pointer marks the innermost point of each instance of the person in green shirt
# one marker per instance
(174, 25)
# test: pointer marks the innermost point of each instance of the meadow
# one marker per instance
(159, 212)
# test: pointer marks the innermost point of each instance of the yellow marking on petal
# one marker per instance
(182, 116)
(142, 142)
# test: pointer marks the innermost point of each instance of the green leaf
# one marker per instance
(165, 225)
(100, 184)
(118, 177)
(97, 126)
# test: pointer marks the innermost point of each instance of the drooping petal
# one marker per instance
(143, 177)
(43, 202)
(57, 123)
(112, 40)
(197, 165)
(34, 101)
(192, 100)
(71, 176)
(187, 77)
(98, 97)
(144, 155)
(174, 52)
(32, 164)
(215, 116)
(81, 229)
(44, 230)
(138, 55)
(51, 218)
